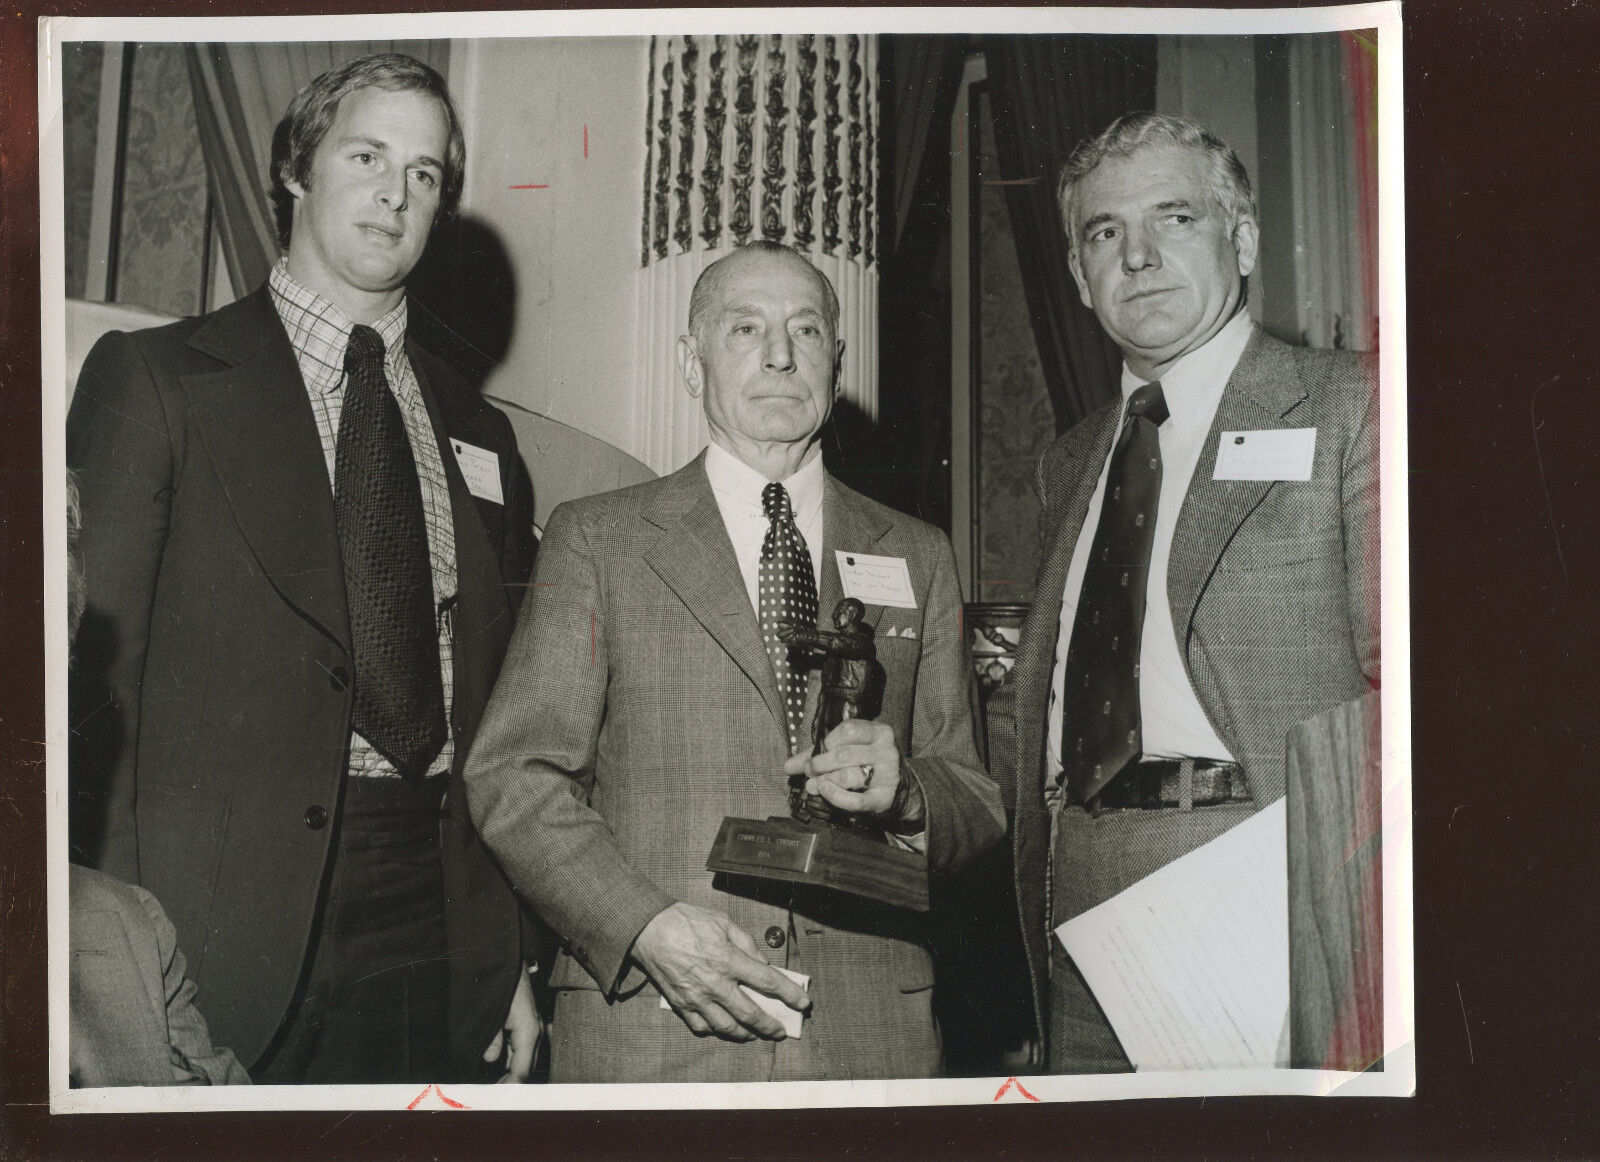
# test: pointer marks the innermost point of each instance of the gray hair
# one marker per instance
(708, 287)
(1228, 180)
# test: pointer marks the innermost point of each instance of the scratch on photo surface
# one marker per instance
(337, 1124)
(1465, 1024)
(1538, 456)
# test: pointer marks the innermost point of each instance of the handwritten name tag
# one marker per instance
(1273, 454)
(876, 580)
(481, 469)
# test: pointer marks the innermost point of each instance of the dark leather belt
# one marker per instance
(1158, 783)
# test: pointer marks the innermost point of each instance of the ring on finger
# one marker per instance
(866, 775)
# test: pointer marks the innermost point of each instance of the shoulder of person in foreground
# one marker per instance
(121, 930)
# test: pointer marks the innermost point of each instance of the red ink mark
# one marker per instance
(1010, 1082)
(591, 636)
(544, 187)
(961, 623)
(438, 1093)
(961, 132)
(585, 141)
(1033, 181)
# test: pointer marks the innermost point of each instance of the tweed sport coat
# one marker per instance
(1273, 586)
(212, 691)
(134, 1020)
(637, 708)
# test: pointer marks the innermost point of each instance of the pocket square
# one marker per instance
(895, 631)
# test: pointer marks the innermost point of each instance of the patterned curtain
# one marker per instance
(241, 92)
(1333, 127)
(749, 137)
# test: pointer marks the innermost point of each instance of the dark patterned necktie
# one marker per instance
(1100, 728)
(383, 539)
(788, 592)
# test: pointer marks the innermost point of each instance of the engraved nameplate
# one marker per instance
(763, 845)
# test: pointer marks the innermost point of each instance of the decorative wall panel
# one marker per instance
(748, 137)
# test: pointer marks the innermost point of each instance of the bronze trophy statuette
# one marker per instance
(818, 845)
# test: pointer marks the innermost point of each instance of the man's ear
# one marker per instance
(689, 364)
(838, 366)
(1246, 241)
(1077, 277)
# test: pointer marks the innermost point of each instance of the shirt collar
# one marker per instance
(316, 323)
(1193, 385)
(732, 478)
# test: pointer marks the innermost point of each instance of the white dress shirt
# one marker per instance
(737, 487)
(1172, 721)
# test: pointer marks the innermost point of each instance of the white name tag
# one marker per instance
(481, 468)
(1273, 454)
(876, 580)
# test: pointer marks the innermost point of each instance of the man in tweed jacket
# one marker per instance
(638, 707)
(1262, 602)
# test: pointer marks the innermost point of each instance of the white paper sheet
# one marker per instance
(1191, 964)
(772, 1006)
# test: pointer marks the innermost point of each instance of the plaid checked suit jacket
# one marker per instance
(1273, 584)
(637, 708)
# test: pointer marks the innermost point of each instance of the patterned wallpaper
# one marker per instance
(164, 198)
(1016, 423)
(80, 101)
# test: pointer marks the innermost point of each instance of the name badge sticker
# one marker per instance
(876, 580)
(1271, 454)
(481, 468)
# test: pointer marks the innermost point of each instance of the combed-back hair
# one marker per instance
(708, 287)
(1228, 180)
(314, 107)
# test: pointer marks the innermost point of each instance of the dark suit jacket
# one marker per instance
(638, 708)
(1273, 586)
(134, 1020)
(214, 666)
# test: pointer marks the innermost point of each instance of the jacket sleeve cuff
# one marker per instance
(608, 960)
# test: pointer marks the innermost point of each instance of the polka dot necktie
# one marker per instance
(788, 593)
(383, 543)
(1100, 725)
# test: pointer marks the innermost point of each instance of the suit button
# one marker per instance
(775, 937)
(339, 679)
(316, 816)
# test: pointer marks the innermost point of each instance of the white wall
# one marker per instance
(574, 246)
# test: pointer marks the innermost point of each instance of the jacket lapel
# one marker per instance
(847, 525)
(694, 558)
(256, 423)
(480, 598)
(1262, 391)
(1067, 493)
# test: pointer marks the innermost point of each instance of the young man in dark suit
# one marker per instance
(305, 538)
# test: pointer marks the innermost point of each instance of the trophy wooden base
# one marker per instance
(822, 855)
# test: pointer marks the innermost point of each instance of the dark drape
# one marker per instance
(924, 73)
(1050, 92)
(238, 185)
